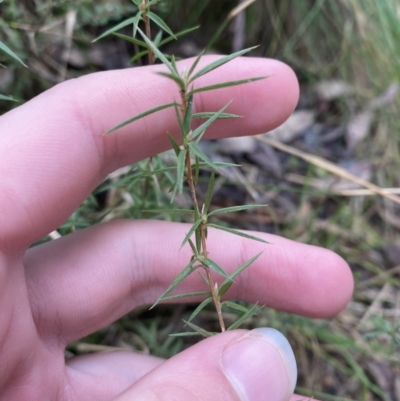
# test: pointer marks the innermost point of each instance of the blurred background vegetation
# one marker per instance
(346, 54)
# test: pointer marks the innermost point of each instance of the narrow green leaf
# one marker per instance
(180, 172)
(181, 276)
(177, 35)
(221, 164)
(155, 50)
(191, 231)
(199, 330)
(153, 2)
(224, 85)
(179, 119)
(236, 232)
(249, 313)
(174, 144)
(196, 170)
(235, 209)
(204, 278)
(139, 55)
(139, 116)
(214, 266)
(228, 283)
(187, 295)
(158, 21)
(151, 173)
(157, 39)
(233, 306)
(130, 39)
(207, 123)
(199, 308)
(194, 65)
(197, 233)
(210, 188)
(208, 114)
(171, 211)
(197, 152)
(9, 98)
(187, 118)
(218, 63)
(173, 63)
(123, 24)
(173, 77)
(194, 250)
(186, 334)
(8, 51)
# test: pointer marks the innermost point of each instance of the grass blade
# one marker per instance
(228, 283)
(158, 21)
(236, 232)
(208, 114)
(191, 231)
(199, 130)
(214, 266)
(199, 308)
(235, 209)
(8, 51)
(139, 116)
(181, 276)
(225, 85)
(218, 63)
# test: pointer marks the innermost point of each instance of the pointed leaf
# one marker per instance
(181, 276)
(174, 144)
(155, 50)
(218, 63)
(171, 211)
(196, 170)
(139, 55)
(204, 278)
(194, 250)
(179, 119)
(235, 209)
(177, 35)
(180, 172)
(214, 266)
(194, 65)
(139, 116)
(199, 330)
(228, 283)
(9, 98)
(187, 118)
(249, 313)
(224, 85)
(173, 63)
(191, 231)
(123, 24)
(173, 77)
(186, 334)
(8, 51)
(130, 39)
(210, 188)
(187, 295)
(202, 156)
(158, 21)
(236, 232)
(207, 123)
(234, 306)
(199, 308)
(208, 114)
(151, 173)
(197, 233)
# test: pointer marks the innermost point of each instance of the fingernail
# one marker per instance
(261, 366)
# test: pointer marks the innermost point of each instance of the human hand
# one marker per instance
(52, 155)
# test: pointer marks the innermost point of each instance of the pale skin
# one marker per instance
(52, 155)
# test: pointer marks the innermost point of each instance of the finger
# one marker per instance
(248, 366)
(58, 153)
(89, 279)
(103, 376)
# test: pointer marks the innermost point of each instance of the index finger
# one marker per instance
(53, 152)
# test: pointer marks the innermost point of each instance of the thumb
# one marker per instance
(257, 365)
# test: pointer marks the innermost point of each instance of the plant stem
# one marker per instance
(192, 189)
(146, 20)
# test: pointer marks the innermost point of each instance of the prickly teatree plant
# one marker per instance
(190, 159)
